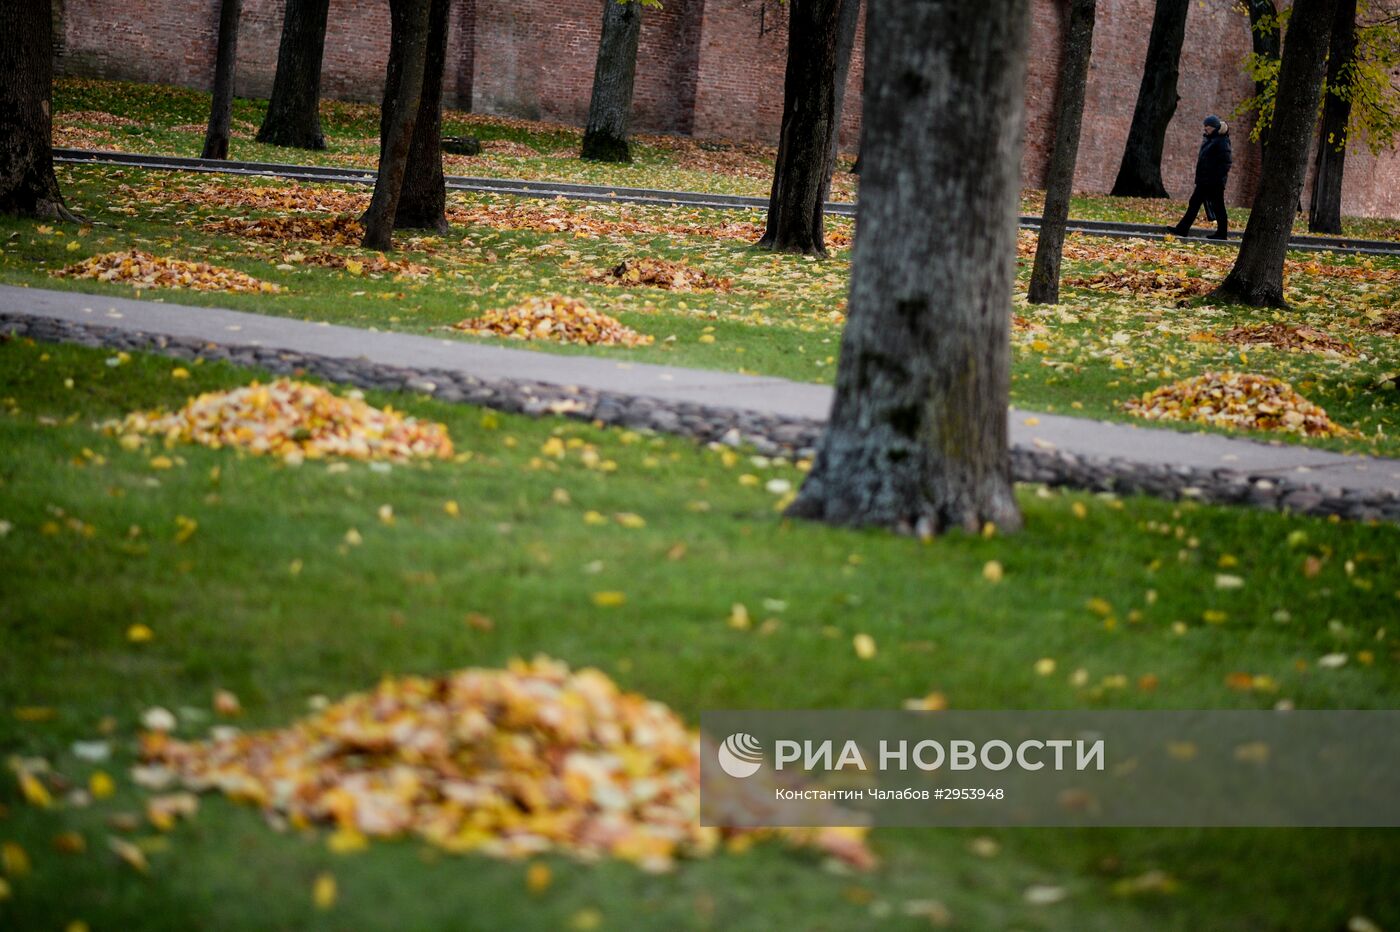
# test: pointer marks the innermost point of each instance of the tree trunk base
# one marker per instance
(879, 504)
(291, 137)
(1138, 189)
(602, 147)
(437, 224)
(798, 246)
(1236, 290)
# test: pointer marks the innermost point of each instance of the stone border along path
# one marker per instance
(775, 416)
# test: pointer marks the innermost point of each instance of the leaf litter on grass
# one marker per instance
(508, 763)
(293, 420)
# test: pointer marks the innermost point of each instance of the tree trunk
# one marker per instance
(1257, 277)
(1059, 184)
(917, 439)
(1140, 174)
(423, 200)
(610, 108)
(1325, 210)
(221, 103)
(807, 142)
(27, 183)
(1265, 40)
(400, 114)
(294, 110)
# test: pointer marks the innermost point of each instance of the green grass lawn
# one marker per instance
(90, 547)
(1126, 323)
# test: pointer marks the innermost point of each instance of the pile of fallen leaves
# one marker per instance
(368, 264)
(1386, 323)
(297, 198)
(563, 320)
(1238, 400)
(1287, 336)
(1159, 282)
(237, 129)
(330, 231)
(143, 270)
(508, 763)
(96, 117)
(660, 273)
(294, 420)
(612, 220)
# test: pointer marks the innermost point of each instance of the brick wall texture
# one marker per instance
(707, 68)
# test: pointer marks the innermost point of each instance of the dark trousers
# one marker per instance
(1213, 196)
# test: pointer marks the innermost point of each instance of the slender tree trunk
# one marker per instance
(1265, 40)
(294, 111)
(917, 439)
(1257, 277)
(1059, 184)
(423, 200)
(610, 108)
(221, 103)
(807, 142)
(400, 115)
(1325, 210)
(845, 46)
(27, 183)
(1140, 174)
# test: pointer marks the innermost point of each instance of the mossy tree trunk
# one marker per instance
(398, 117)
(28, 186)
(811, 118)
(1140, 172)
(225, 61)
(1059, 182)
(917, 438)
(1325, 209)
(294, 110)
(1257, 276)
(614, 76)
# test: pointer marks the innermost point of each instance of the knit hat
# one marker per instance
(1213, 121)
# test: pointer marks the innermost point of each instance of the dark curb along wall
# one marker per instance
(767, 434)
(708, 68)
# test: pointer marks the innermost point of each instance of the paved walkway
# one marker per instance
(720, 389)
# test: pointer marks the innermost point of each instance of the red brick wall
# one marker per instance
(711, 68)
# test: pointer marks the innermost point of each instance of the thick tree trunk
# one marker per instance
(294, 110)
(807, 142)
(1257, 277)
(1325, 210)
(399, 117)
(423, 200)
(917, 439)
(1140, 174)
(1059, 183)
(1264, 39)
(614, 74)
(221, 104)
(27, 183)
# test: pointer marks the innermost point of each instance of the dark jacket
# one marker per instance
(1213, 161)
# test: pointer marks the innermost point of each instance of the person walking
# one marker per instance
(1212, 169)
